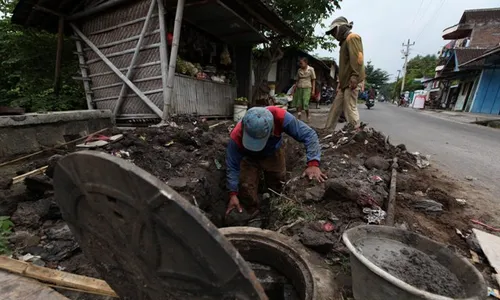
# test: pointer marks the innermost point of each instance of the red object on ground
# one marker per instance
(328, 227)
(97, 137)
(485, 225)
(170, 38)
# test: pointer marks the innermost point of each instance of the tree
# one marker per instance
(27, 64)
(419, 67)
(374, 76)
(302, 16)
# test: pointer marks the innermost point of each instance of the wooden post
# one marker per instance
(118, 73)
(391, 202)
(173, 58)
(85, 74)
(130, 72)
(60, 43)
(163, 55)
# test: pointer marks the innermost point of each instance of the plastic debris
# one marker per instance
(428, 205)
(121, 154)
(343, 141)
(493, 293)
(374, 216)
(217, 164)
(333, 218)
(326, 226)
(328, 136)
(375, 179)
(474, 257)
(169, 144)
(422, 160)
(461, 201)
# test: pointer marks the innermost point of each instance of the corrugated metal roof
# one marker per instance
(467, 54)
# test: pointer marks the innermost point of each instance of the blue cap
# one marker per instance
(257, 127)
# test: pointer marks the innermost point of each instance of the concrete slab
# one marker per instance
(33, 132)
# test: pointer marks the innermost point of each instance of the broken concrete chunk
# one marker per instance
(377, 162)
(314, 194)
(178, 183)
(60, 232)
(322, 242)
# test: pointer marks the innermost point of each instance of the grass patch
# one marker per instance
(287, 210)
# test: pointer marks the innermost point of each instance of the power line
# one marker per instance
(417, 14)
(431, 19)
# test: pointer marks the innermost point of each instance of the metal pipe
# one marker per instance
(173, 58)
(118, 73)
(130, 71)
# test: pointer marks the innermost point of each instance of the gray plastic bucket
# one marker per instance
(371, 282)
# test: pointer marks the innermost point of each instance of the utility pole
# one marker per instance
(406, 53)
(394, 92)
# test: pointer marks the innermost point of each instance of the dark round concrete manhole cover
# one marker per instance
(145, 239)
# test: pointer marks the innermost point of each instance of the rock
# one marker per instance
(322, 242)
(178, 183)
(31, 213)
(236, 218)
(419, 193)
(401, 147)
(338, 190)
(60, 232)
(52, 162)
(314, 194)
(377, 162)
(5, 183)
(9, 201)
(470, 178)
(39, 184)
(59, 250)
(23, 239)
(361, 136)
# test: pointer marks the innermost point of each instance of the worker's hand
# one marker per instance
(313, 172)
(353, 82)
(234, 202)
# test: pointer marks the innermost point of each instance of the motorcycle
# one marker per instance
(370, 103)
(327, 95)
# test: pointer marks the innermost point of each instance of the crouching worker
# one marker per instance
(256, 145)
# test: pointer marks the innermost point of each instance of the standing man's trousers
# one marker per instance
(346, 101)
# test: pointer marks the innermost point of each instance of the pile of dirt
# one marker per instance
(189, 155)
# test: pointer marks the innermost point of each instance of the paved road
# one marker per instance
(459, 149)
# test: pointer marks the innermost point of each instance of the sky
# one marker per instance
(385, 24)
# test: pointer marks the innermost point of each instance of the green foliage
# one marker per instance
(375, 77)
(27, 67)
(419, 67)
(5, 230)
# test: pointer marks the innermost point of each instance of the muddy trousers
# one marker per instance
(346, 101)
(274, 169)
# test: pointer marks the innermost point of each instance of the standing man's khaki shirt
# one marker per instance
(304, 77)
(351, 61)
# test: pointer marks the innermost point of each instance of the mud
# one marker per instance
(192, 159)
(412, 266)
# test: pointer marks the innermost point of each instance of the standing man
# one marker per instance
(256, 145)
(351, 73)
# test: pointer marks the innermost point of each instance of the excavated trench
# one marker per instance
(285, 268)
